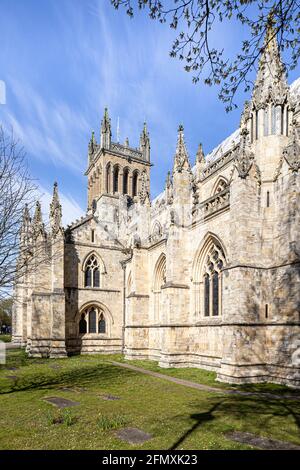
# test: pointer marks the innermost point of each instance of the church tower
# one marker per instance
(116, 169)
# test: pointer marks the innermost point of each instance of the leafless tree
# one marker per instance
(16, 189)
(196, 21)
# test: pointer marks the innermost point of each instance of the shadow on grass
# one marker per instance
(79, 376)
(199, 419)
(256, 411)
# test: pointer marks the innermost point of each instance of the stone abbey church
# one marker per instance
(206, 275)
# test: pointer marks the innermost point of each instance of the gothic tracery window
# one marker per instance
(92, 320)
(220, 186)
(92, 273)
(212, 280)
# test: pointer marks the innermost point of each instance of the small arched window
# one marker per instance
(92, 321)
(102, 324)
(116, 179)
(134, 184)
(125, 181)
(108, 178)
(92, 272)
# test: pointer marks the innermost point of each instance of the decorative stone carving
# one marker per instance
(291, 152)
(181, 159)
(144, 193)
(245, 157)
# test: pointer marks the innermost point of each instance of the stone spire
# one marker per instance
(181, 159)
(145, 143)
(105, 131)
(37, 222)
(55, 212)
(25, 227)
(92, 147)
(271, 83)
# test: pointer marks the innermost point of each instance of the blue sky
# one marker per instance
(63, 61)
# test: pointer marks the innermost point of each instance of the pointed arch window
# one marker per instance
(92, 320)
(207, 278)
(92, 272)
(206, 294)
(125, 181)
(159, 280)
(212, 281)
(101, 324)
(116, 179)
(134, 184)
(108, 178)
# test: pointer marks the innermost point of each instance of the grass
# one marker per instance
(206, 377)
(111, 422)
(5, 338)
(176, 416)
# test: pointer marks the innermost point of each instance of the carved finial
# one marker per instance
(200, 162)
(126, 144)
(55, 212)
(105, 130)
(181, 159)
(145, 143)
(245, 157)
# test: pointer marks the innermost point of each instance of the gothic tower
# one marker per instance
(116, 169)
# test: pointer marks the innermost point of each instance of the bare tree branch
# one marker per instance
(196, 21)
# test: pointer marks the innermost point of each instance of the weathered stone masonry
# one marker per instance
(206, 275)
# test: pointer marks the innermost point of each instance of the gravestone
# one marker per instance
(261, 442)
(61, 402)
(133, 435)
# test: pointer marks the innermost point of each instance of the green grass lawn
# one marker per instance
(206, 377)
(176, 416)
(5, 338)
